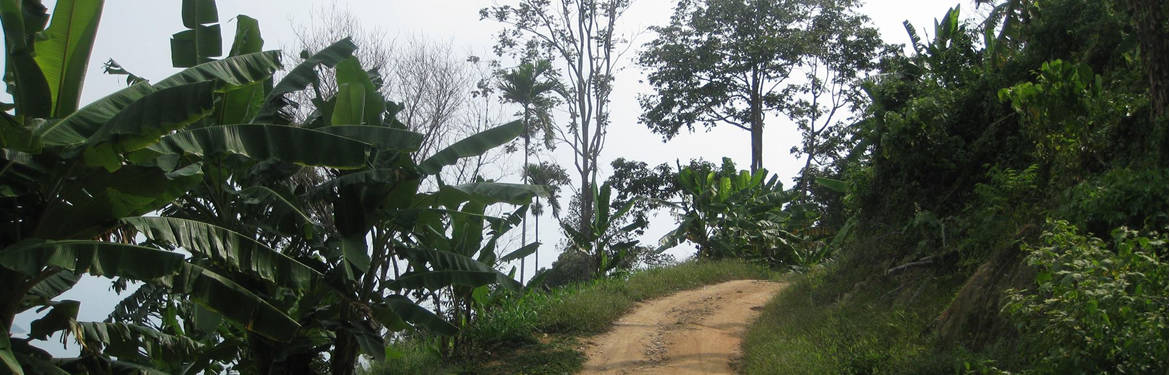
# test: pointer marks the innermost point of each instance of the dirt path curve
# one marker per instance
(691, 332)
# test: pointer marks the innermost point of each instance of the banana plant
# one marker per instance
(728, 214)
(598, 241)
(76, 180)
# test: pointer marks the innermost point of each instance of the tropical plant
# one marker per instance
(551, 177)
(1097, 306)
(531, 85)
(76, 179)
(599, 243)
(742, 215)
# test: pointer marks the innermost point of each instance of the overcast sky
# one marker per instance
(136, 33)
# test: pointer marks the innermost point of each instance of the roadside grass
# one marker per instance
(829, 322)
(537, 333)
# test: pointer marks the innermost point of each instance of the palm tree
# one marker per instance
(529, 85)
(551, 177)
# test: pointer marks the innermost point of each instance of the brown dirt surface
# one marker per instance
(696, 331)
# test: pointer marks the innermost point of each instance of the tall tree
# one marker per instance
(735, 61)
(839, 50)
(530, 85)
(722, 62)
(580, 35)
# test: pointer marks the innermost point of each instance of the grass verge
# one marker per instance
(828, 322)
(537, 333)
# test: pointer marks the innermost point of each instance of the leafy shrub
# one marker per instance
(1096, 308)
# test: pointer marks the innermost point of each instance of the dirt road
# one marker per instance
(692, 332)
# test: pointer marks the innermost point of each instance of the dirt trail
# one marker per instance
(692, 332)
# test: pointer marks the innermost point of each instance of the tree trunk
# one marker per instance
(344, 355)
(524, 175)
(757, 123)
(536, 262)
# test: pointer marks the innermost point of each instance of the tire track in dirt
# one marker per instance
(696, 331)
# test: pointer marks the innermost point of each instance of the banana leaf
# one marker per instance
(474, 145)
(234, 71)
(222, 245)
(64, 48)
(261, 142)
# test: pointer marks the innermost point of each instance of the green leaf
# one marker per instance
(358, 100)
(81, 124)
(355, 253)
(234, 71)
(129, 341)
(409, 311)
(522, 252)
(64, 48)
(234, 302)
(350, 106)
(302, 75)
(261, 193)
(6, 355)
(248, 38)
(224, 246)
(240, 104)
(199, 12)
(60, 317)
(494, 192)
(368, 177)
(833, 184)
(261, 142)
(381, 137)
(51, 287)
(31, 92)
(472, 146)
(95, 257)
(449, 268)
(142, 123)
(196, 46)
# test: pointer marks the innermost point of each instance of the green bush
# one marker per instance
(1097, 307)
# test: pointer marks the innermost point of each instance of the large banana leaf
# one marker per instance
(472, 146)
(261, 142)
(63, 51)
(381, 137)
(31, 94)
(452, 196)
(98, 198)
(130, 342)
(495, 192)
(60, 317)
(51, 287)
(235, 70)
(398, 308)
(224, 296)
(80, 125)
(358, 100)
(449, 268)
(522, 252)
(381, 176)
(141, 124)
(95, 257)
(7, 357)
(302, 75)
(256, 194)
(225, 246)
(248, 38)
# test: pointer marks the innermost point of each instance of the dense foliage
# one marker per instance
(991, 157)
(261, 245)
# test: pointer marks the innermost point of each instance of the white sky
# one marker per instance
(136, 33)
